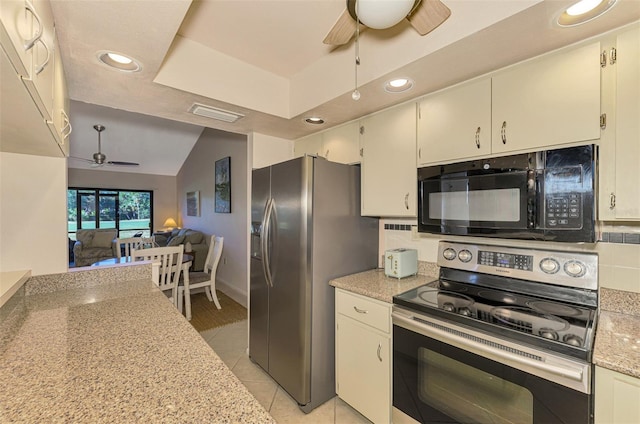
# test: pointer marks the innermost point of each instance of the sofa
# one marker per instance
(179, 236)
(94, 245)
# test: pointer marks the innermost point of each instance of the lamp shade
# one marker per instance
(381, 14)
(170, 223)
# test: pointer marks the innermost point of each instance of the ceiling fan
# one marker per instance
(423, 15)
(100, 158)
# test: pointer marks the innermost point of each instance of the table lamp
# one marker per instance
(170, 224)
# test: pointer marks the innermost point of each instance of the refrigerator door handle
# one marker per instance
(264, 241)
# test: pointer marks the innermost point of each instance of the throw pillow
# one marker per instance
(176, 241)
(102, 239)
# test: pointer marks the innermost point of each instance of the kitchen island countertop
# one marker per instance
(116, 352)
(375, 284)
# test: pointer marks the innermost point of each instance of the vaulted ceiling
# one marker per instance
(265, 60)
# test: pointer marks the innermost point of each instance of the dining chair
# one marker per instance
(124, 246)
(206, 279)
(170, 259)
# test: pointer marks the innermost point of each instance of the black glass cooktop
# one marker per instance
(559, 326)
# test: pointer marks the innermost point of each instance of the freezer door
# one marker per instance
(290, 295)
(258, 291)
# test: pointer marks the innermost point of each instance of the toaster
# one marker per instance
(400, 263)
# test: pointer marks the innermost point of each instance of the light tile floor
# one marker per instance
(230, 343)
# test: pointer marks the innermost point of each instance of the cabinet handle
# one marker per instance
(41, 67)
(478, 138)
(420, 153)
(406, 201)
(612, 201)
(327, 155)
(67, 125)
(503, 132)
(379, 352)
(360, 311)
(28, 44)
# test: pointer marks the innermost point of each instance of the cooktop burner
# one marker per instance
(544, 311)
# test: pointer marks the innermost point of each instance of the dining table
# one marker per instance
(187, 262)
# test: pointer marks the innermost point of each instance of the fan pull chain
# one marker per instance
(356, 94)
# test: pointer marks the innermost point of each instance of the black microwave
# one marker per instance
(546, 195)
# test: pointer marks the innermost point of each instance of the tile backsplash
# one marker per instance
(618, 250)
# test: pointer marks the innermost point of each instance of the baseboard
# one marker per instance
(232, 292)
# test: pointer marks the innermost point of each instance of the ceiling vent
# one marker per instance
(213, 113)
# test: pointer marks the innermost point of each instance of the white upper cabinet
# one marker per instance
(60, 125)
(551, 100)
(339, 144)
(455, 123)
(17, 30)
(620, 143)
(40, 83)
(309, 145)
(388, 141)
(342, 144)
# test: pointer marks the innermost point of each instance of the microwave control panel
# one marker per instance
(563, 211)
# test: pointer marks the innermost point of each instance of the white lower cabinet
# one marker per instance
(363, 355)
(617, 398)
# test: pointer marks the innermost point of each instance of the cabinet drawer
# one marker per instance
(367, 311)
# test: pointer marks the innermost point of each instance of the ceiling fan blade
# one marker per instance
(82, 159)
(428, 16)
(342, 31)
(118, 162)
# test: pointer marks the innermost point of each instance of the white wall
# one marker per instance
(33, 214)
(165, 188)
(198, 174)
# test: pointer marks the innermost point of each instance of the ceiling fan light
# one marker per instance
(381, 14)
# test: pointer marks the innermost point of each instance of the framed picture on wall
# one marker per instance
(193, 203)
(223, 185)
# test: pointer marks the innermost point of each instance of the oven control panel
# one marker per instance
(566, 268)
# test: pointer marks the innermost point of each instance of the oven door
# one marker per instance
(480, 203)
(442, 375)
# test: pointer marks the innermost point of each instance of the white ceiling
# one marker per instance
(265, 59)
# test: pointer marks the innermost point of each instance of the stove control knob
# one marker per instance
(449, 307)
(548, 333)
(549, 265)
(465, 255)
(575, 268)
(573, 340)
(465, 311)
(449, 254)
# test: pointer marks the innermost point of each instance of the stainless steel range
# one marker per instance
(504, 335)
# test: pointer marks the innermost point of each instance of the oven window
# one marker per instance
(469, 395)
(501, 205)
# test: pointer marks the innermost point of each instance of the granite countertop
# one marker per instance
(375, 284)
(116, 352)
(617, 344)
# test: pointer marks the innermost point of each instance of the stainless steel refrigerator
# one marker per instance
(306, 230)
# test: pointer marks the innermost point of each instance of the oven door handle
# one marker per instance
(413, 325)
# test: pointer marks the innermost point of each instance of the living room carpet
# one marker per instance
(205, 315)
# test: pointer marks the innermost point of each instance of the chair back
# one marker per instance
(124, 246)
(213, 256)
(170, 259)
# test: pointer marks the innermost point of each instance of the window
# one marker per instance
(128, 211)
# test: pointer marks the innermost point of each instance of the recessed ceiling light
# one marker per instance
(316, 120)
(398, 85)
(119, 61)
(584, 11)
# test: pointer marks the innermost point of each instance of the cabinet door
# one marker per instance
(627, 157)
(40, 84)
(342, 144)
(363, 369)
(617, 398)
(548, 101)
(16, 31)
(389, 175)
(310, 145)
(60, 125)
(455, 124)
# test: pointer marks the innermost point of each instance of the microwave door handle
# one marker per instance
(534, 193)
